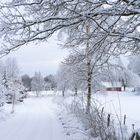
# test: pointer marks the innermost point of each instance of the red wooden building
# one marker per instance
(116, 86)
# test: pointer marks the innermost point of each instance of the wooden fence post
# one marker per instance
(124, 121)
(108, 120)
(133, 126)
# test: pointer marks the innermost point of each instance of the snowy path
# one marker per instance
(35, 119)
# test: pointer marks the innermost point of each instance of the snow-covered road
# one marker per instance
(35, 119)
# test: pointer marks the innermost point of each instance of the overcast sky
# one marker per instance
(44, 57)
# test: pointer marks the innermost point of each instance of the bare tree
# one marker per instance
(92, 52)
(62, 79)
(37, 83)
(26, 21)
(114, 24)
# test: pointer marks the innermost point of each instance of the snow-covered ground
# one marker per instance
(35, 119)
(118, 104)
(45, 118)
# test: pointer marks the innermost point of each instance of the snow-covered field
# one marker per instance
(122, 103)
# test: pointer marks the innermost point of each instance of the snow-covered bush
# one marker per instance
(97, 123)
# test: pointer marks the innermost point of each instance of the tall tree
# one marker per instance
(37, 83)
(92, 53)
(63, 79)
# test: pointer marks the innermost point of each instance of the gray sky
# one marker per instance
(44, 57)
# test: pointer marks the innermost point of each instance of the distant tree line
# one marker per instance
(38, 82)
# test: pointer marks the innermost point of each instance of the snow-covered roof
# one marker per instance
(111, 84)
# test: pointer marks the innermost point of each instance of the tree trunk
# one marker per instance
(13, 103)
(89, 74)
(37, 93)
(88, 91)
(124, 87)
(75, 91)
(63, 92)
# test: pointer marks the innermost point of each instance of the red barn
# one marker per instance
(116, 86)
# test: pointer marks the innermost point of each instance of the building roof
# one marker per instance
(111, 84)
